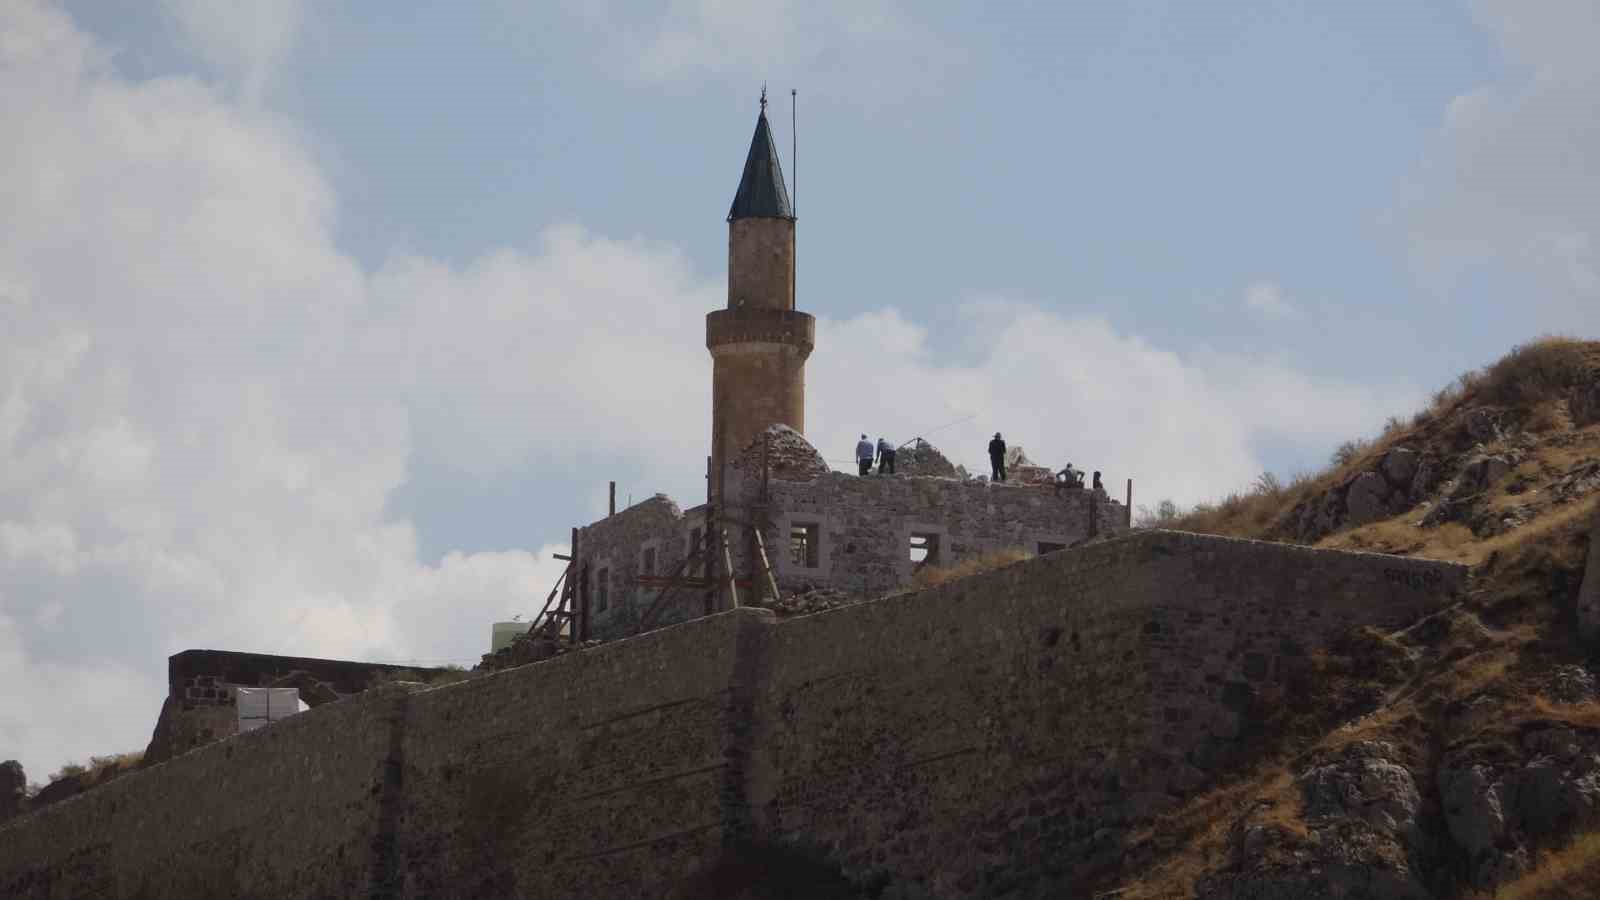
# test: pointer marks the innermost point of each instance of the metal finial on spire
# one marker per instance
(763, 98)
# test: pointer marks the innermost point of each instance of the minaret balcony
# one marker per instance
(761, 326)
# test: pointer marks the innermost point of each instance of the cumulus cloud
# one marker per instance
(1266, 299)
(206, 407)
(1513, 181)
(246, 41)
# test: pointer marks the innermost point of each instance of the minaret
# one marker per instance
(759, 344)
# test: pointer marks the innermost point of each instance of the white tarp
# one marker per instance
(260, 706)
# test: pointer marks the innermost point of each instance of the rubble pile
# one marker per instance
(790, 456)
(813, 600)
(922, 458)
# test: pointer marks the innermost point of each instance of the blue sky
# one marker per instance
(324, 322)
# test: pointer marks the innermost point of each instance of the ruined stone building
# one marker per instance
(772, 494)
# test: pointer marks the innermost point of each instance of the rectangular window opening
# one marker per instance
(924, 549)
(647, 561)
(602, 590)
(804, 544)
(694, 551)
(1049, 547)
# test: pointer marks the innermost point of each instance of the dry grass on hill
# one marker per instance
(1506, 638)
(1533, 378)
(101, 769)
(931, 576)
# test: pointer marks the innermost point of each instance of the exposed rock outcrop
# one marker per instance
(1589, 593)
(13, 789)
(1501, 807)
(1361, 811)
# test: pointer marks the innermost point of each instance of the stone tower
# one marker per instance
(759, 344)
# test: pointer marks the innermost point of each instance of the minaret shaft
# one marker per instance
(759, 344)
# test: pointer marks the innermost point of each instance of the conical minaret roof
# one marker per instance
(762, 193)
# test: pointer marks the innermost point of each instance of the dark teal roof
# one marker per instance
(762, 194)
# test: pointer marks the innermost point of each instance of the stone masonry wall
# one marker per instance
(285, 811)
(199, 707)
(864, 530)
(998, 733)
(866, 525)
(606, 773)
(1006, 731)
(615, 545)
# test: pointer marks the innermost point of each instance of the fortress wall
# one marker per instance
(607, 772)
(285, 811)
(962, 731)
(1006, 730)
(1001, 732)
(1239, 619)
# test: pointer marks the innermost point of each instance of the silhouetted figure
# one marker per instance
(997, 458)
(885, 457)
(864, 456)
(1069, 478)
(1097, 485)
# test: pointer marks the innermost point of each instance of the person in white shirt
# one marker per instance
(864, 455)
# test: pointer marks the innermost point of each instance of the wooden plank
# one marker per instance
(727, 560)
(766, 564)
(669, 581)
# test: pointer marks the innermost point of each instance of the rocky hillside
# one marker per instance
(1459, 757)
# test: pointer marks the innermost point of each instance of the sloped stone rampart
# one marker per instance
(999, 733)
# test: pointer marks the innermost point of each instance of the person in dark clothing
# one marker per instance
(1069, 478)
(997, 457)
(864, 456)
(885, 457)
(1097, 485)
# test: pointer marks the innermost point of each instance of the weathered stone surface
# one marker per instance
(922, 458)
(862, 529)
(58, 790)
(1480, 473)
(1366, 499)
(949, 738)
(200, 708)
(1571, 684)
(1584, 404)
(1473, 810)
(1483, 424)
(13, 789)
(1399, 467)
(1361, 814)
(1501, 811)
(789, 456)
(1589, 592)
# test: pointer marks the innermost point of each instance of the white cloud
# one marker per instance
(1513, 181)
(247, 40)
(1266, 299)
(205, 407)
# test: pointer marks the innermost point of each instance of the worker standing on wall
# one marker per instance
(1070, 478)
(997, 458)
(864, 456)
(885, 457)
(1097, 485)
